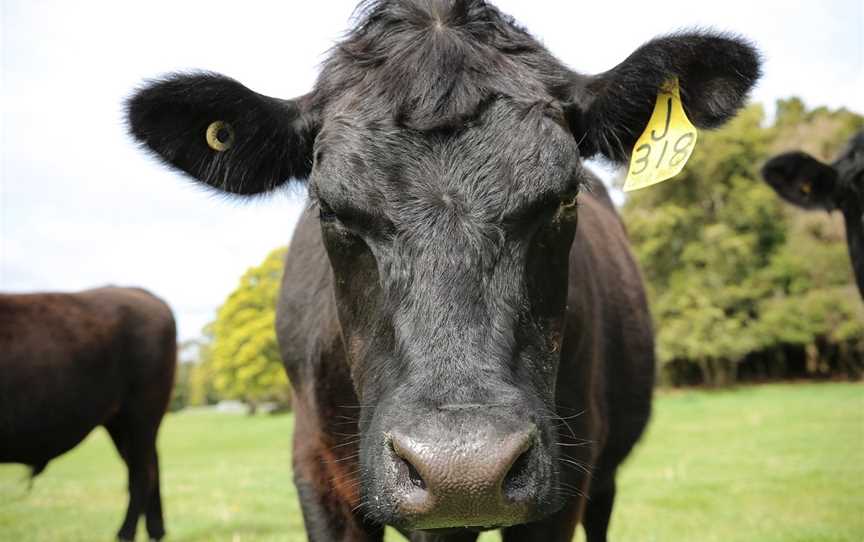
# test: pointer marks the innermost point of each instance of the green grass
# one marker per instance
(765, 463)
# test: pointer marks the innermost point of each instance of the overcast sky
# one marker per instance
(80, 206)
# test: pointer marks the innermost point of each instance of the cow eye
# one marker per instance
(534, 210)
(354, 219)
(325, 212)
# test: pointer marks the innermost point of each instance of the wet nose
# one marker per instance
(484, 481)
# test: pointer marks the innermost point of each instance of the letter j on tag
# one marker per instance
(666, 144)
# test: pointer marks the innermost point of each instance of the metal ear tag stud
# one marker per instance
(220, 136)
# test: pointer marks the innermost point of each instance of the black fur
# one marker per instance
(433, 64)
(273, 142)
(715, 72)
(802, 180)
(439, 286)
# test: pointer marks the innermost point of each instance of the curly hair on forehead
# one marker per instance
(433, 63)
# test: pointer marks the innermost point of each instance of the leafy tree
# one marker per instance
(820, 132)
(180, 394)
(728, 265)
(202, 390)
(814, 304)
(244, 358)
(188, 388)
(700, 238)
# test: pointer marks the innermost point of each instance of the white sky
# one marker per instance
(80, 206)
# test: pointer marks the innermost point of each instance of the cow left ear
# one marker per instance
(223, 134)
(802, 180)
(611, 110)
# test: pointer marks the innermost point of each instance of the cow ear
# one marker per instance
(611, 110)
(801, 180)
(223, 134)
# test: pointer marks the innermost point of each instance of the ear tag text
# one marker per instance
(666, 144)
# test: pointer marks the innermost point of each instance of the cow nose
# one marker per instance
(483, 481)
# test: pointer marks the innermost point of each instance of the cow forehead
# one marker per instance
(521, 150)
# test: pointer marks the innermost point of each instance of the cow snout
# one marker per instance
(474, 481)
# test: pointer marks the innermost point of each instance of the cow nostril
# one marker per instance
(414, 476)
(406, 468)
(517, 481)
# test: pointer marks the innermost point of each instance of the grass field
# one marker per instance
(765, 463)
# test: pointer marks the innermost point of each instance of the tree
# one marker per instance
(180, 394)
(727, 263)
(202, 390)
(189, 389)
(699, 239)
(244, 358)
(813, 304)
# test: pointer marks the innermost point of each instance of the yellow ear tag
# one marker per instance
(666, 144)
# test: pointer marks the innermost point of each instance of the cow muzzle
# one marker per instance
(466, 478)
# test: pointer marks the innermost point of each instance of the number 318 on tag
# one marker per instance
(644, 154)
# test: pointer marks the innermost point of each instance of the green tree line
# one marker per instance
(736, 277)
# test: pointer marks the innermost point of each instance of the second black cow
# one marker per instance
(809, 183)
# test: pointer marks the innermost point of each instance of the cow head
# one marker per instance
(809, 183)
(442, 147)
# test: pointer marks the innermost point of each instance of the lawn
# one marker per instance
(763, 463)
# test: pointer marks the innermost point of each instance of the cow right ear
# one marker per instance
(802, 180)
(715, 73)
(223, 134)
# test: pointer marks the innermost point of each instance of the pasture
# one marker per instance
(782, 462)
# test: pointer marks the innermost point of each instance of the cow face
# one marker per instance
(443, 147)
(807, 182)
(449, 251)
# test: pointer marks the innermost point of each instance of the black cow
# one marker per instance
(72, 362)
(809, 183)
(463, 356)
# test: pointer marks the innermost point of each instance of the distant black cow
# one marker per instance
(72, 362)
(463, 356)
(808, 183)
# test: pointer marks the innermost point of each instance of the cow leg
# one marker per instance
(118, 428)
(155, 521)
(598, 510)
(137, 447)
(559, 527)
